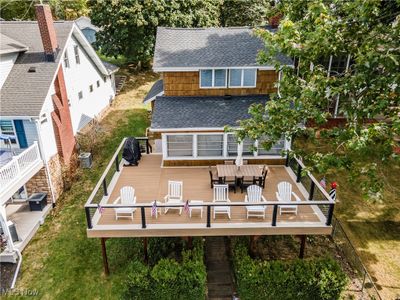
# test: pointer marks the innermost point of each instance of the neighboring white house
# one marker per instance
(52, 84)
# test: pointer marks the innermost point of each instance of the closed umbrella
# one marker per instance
(239, 158)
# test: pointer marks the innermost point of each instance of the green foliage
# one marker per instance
(168, 278)
(164, 247)
(298, 279)
(129, 26)
(245, 13)
(25, 10)
(369, 90)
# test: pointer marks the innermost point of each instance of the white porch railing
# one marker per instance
(18, 166)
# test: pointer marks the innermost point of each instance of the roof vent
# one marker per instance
(32, 70)
(227, 97)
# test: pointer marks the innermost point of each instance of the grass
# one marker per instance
(61, 262)
(373, 228)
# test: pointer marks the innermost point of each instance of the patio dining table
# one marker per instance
(243, 171)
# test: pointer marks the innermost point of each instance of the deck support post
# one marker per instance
(302, 246)
(190, 242)
(253, 240)
(104, 253)
(146, 255)
(208, 216)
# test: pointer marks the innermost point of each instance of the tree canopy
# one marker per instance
(368, 90)
(128, 27)
(244, 13)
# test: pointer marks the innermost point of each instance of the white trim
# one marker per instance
(153, 98)
(191, 129)
(241, 79)
(213, 79)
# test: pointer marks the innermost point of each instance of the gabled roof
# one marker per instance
(9, 45)
(156, 90)
(23, 93)
(186, 113)
(85, 22)
(188, 48)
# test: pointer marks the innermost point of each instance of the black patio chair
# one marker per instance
(261, 180)
(213, 176)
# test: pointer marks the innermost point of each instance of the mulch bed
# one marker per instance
(7, 271)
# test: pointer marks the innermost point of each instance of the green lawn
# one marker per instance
(61, 262)
(374, 228)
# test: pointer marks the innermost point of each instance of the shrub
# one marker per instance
(298, 279)
(168, 278)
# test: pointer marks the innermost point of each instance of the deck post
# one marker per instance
(117, 163)
(105, 192)
(146, 255)
(88, 218)
(274, 215)
(299, 169)
(330, 215)
(208, 216)
(143, 213)
(302, 246)
(147, 146)
(104, 253)
(312, 188)
(287, 159)
(190, 242)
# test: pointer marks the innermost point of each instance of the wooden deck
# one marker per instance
(151, 183)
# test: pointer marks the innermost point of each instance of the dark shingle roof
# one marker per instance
(156, 89)
(23, 93)
(9, 45)
(202, 112)
(207, 47)
(110, 67)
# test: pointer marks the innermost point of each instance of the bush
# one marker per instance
(168, 278)
(298, 279)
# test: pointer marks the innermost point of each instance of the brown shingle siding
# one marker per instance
(187, 84)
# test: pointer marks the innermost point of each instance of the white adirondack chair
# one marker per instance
(175, 195)
(284, 194)
(221, 196)
(254, 195)
(127, 197)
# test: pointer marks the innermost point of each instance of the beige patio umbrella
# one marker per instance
(239, 158)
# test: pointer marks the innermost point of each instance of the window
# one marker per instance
(76, 52)
(232, 146)
(210, 145)
(338, 65)
(275, 149)
(80, 95)
(98, 83)
(7, 128)
(105, 78)
(242, 77)
(180, 145)
(43, 117)
(66, 60)
(91, 88)
(213, 78)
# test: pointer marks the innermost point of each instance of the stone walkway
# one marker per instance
(219, 279)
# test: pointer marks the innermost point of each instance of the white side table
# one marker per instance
(200, 208)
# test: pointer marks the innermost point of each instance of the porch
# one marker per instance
(150, 181)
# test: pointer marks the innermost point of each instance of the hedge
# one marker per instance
(320, 278)
(168, 278)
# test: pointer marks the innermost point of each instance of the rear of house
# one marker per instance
(210, 77)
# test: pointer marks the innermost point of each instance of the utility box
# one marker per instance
(13, 231)
(85, 159)
(37, 201)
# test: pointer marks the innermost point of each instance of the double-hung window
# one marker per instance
(242, 77)
(180, 145)
(66, 59)
(76, 52)
(210, 145)
(215, 78)
(7, 128)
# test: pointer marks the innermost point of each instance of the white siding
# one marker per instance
(78, 77)
(6, 63)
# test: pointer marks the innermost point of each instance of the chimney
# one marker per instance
(47, 31)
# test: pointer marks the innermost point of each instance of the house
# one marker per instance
(52, 84)
(210, 77)
(88, 29)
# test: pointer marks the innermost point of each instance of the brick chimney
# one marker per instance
(47, 31)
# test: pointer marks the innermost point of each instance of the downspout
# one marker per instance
(46, 166)
(17, 270)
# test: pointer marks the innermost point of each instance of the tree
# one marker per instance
(369, 32)
(245, 13)
(25, 10)
(128, 27)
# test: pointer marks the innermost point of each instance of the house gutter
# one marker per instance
(46, 166)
